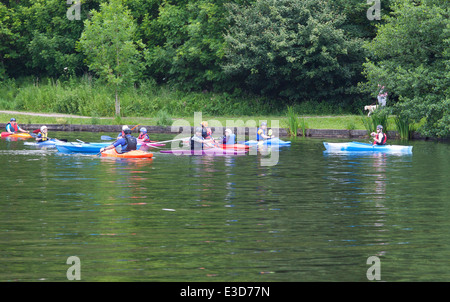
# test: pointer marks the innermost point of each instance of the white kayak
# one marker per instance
(365, 147)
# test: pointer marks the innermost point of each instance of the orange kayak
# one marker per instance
(21, 134)
(129, 154)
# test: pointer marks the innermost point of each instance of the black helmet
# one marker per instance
(127, 131)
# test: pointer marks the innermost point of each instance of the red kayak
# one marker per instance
(233, 146)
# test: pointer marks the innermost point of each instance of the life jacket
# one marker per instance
(42, 136)
(258, 134)
(131, 143)
(14, 126)
(383, 142)
(144, 136)
(196, 145)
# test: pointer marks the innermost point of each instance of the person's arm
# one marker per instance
(113, 145)
(21, 130)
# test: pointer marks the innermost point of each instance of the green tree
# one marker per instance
(108, 41)
(410, 56)
(292, 49)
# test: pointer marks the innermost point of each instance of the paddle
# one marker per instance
(82, 141)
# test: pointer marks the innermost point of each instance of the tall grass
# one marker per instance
(404, 127)
(292, 122)
(379, 117)
(86, 96)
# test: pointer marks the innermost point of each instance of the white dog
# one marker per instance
(371, 108)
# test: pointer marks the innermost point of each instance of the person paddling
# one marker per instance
(42, 136)
(261, 132)
(197, 141)
(379, 138)
(12, 127)
(128, 143)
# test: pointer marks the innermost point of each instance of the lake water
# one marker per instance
(311, 217)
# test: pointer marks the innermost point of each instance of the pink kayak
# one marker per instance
(210, 152)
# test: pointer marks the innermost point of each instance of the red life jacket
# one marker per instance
(382, 142)
(144, 136)
(14, 125)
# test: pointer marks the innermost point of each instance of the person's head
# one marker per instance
(127, 131)
(263, 125)
(12, 120)
(380, 128)
(205, 124)
(143, 130)
(228, 132)
(44, 129)
(125, 127)
(198, 131)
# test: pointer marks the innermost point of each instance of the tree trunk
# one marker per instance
(117, 104)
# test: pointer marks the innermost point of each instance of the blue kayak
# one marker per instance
(271, 141)
(365, 147)
(73, 147)
(48, 143)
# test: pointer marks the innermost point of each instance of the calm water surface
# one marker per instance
(311, 217)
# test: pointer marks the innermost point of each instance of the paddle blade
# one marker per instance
(106, 138)
(36, 131)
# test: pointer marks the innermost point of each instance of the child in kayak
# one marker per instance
(379, 138)
(122, 134)
(143, 136)
(128, 143)
(42, 136)
(12, 127)
(261, 132)
(206, 132)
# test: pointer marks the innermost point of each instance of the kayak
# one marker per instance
(210, 152)
(129, 154)
(72, 147)
(233, 146)
(21, 134)
(365, 147)
(48, 143)
(270, 141)
(152, 144)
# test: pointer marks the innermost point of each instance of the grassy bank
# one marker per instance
(345, 122)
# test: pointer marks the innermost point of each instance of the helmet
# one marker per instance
(143, 129)
(127, 131)
(263, 124)
(205, 124)
(43, 127)
(228, 130)
(198, 129)
(379, 127)
(125, 127)
(12, 119)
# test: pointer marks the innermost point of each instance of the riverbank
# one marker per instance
(343, 126)
(218, 131)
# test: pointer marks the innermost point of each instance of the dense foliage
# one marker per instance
(313, 55)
